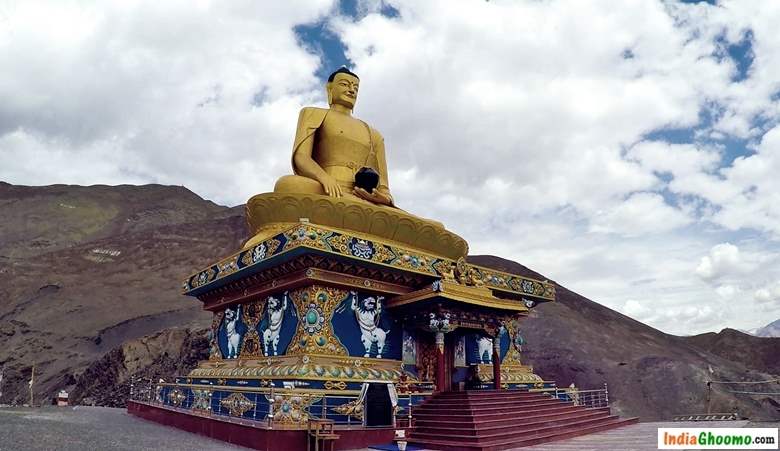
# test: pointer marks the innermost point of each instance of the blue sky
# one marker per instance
(627, 150)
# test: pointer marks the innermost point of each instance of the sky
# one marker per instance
(626, 150)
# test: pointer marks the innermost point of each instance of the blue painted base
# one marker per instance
(394, 447)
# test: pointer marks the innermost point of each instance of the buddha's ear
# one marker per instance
(327, 91)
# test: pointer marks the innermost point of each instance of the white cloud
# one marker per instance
(679, 160)
(637, 310)
(768, 294)
(728, 292)
(640, 214)
(723, 260)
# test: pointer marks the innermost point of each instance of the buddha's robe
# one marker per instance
(337, 154)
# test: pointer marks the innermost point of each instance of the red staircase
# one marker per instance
(488, 420)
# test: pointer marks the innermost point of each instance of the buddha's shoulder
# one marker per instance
(312, 111)
(375, 134)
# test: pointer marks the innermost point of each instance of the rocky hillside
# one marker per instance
(755, 353)
(87, 268)
(92, 298)
(173, 351)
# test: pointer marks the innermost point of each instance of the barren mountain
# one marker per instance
(91, 297)
(770, 330)
(753, 352)
(85, 269)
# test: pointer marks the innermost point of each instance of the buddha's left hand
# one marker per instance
(375, 196)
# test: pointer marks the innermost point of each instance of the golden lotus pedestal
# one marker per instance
(329, 297)
(270, 213)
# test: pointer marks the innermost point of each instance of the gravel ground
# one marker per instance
(93, 428)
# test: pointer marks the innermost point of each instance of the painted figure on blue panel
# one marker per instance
(275, 310)
(232, 332)
(409, 349)
(485, 349)
(367, 314)
(460, 352)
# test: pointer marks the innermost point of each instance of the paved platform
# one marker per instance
(637, 437)
(98, 428)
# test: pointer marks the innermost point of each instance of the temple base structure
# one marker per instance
(321, 324)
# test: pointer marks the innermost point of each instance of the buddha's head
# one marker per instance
(342, 88)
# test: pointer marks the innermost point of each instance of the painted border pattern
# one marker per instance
(357, 247)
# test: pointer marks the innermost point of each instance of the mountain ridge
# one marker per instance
(770, 330)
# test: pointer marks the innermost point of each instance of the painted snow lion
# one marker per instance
(275, 310)
(233, 337)
(485, 346)
(367, 314)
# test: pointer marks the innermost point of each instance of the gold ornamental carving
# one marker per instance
(315, 305)
(292, 408)
(237, 404)
(352, 408)
(214, 352)
(176, 397)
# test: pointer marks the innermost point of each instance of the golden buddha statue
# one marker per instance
(331, 146)
(331, 149)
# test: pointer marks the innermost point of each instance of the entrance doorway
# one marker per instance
(378, 406)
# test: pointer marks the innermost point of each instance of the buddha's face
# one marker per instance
(343, 90)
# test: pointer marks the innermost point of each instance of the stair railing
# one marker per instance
(591, 399)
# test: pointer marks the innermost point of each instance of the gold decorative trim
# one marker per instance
(335, 385)
(176, 397)
(237, 404)
(201, 400)
(291, 409)
(270, 390)
(305, 367)
(469, 295)
(386, 253)
(214, 352)
(510, 374)
(315, 305)
(351, 408)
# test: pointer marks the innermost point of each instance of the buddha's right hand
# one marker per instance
(330, 185)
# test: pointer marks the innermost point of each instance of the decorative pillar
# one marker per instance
(440, 324)
(440, 375)
(497, 362)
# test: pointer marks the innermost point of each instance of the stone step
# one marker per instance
(500, 394)
(497, 445)
(528, 412)
(517, 407)
(487, 401)
(516, 434)
(504, 425)
(479, 402)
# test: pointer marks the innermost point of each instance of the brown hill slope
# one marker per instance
(41, 219)
(756, 353)
(109, 270)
